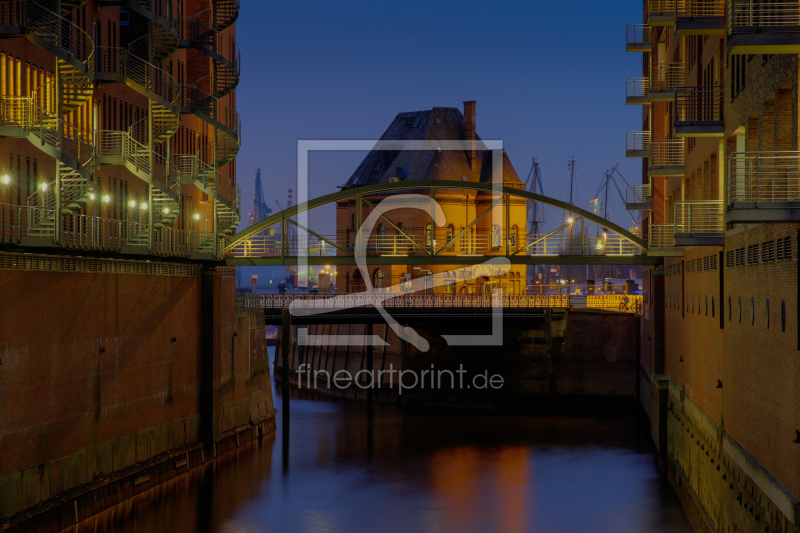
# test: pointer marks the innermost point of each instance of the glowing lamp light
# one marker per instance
(144, 205)
(44, 186)
(6, 179)
(91, 196)
(166, 210)
(197, 216)
(133, 203)
(599, 245)
(106, 198)
(570, 220)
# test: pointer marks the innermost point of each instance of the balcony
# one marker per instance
(637, 144)
(639, 38)
(664, 79)
(661, 241)
(698, 112)
(699, 223)
(763, 27)
(666, 158)
(638, 197)
(763, 187)
(637, 91)
(700, 17)
(662, 12)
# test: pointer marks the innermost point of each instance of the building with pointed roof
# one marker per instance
(409, 231)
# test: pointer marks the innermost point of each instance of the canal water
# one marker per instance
(420, 470)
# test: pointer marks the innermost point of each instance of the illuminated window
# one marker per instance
(513, 236)
(495, 236)
(379, 277)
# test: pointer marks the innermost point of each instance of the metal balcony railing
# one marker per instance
(666, 76)
(763, 177)
(701, 9)
(772, 16)
(661, 236)
(699, 217)
(666, 153)
(637, 143)
(638, 37)
(666, 6)
(638, 195)
(699, 106)
(637, 90)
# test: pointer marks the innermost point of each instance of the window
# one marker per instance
(767, 252)
(706, 305)
(712, 307)
(752, 311)
(353, 220)
(783, 316)
(513, 237)
(428, 236)
(381, 238)
(495, 236)
(740, 309)
(752, 254)
(449, 232)
(730, 309)
(767, 310)
(379, 277)
(400, 238)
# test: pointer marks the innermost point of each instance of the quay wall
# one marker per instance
(589, 361)
(116, 376)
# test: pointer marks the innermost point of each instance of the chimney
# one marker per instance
(289, 199)
(469, 131)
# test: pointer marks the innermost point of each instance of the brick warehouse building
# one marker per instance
(395, 232)
(123, 363)
(721, 188)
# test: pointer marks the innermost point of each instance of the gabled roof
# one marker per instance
(439, 123)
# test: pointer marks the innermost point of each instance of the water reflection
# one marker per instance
(419, 470)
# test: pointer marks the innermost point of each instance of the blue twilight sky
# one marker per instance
(548, 77)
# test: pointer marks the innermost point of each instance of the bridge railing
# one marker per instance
(418, 241)
(625, 303)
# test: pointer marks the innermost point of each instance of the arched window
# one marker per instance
(783, 316)
(495, 236)
(428, 235)
(381, 237)
(767, 313)
(379, 279)
(740, 309)
(449, 232)
(513, 237)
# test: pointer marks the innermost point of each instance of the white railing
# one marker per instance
(637, 141)
(478, 243)
(403, 300)
(702, 8)
(661, 236)
(638, 35)
(761, 13)
(666, 76)
(637, 194)
(637, 88)
(699, 216)
(667, 153)
(666, 6)
(763, 177)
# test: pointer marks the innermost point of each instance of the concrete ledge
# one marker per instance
(762, 479)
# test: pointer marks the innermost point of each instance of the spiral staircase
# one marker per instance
(39, 118)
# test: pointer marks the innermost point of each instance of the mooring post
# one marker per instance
(370, 366)
(286, 345)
